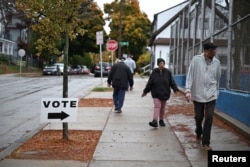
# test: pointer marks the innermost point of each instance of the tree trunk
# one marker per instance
(65, 81)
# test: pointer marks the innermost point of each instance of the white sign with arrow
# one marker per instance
(59, 109)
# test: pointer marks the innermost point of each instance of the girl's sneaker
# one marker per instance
(162, 123)
(153, 124)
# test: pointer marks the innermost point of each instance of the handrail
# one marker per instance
(145, 69)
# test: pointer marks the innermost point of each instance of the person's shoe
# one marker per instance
(206, 147)
(198, 136)
(118, 110)
(162, 123)
(153, 124)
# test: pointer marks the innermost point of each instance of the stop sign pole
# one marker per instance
(111, 46)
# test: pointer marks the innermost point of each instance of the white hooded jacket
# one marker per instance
(203, 79)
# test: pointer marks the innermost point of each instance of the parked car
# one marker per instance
(76, 69)
(70, 70)
(50, 70)
(106, 67)
(80, 69)
(84, 70)
(55, 69)
(60, 65)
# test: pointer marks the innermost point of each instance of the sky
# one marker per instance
(150, 7)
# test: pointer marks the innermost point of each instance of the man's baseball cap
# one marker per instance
(209, 46)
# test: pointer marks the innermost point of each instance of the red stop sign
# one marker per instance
(111, 45)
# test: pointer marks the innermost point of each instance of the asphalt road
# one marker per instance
(20, 102)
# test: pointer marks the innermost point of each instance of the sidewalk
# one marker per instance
(128, 140)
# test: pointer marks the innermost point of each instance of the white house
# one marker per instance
(10, 36)
(160, 40)
(8, 44)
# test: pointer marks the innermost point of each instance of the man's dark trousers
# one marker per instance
(118, 97)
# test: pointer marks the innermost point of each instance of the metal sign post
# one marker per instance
(21, 53)
(99, 41)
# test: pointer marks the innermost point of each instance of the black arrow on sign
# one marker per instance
(62, 115)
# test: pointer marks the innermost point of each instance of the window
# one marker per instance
(206, 23)
(7, 34)
(1, 47)
(171, 58)
(219, 24)
(185, 22)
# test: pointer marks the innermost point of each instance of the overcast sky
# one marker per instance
(150, 7)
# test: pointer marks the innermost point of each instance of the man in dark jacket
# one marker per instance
(119, 77)
(159, 83)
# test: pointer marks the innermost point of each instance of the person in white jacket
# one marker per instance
(130, 63)
(202, 87)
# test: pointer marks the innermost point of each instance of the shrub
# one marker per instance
(4, 59)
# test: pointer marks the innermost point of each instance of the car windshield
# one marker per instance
(50, 66)
(104, 64)
(61, 65)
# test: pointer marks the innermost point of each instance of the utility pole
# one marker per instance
(120, 31)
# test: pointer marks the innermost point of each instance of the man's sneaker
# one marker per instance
(206, 147)
(118, 110)
(198, 136)
(162, 123)
(153, 124)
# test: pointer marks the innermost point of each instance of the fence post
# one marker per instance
(229, 51)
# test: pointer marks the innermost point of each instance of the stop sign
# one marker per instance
(111, 45)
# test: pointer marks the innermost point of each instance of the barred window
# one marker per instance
(206, 23)
(219, 24)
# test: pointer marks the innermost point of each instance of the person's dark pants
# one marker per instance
(118, 97)
(202, 109)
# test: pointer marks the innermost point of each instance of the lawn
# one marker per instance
(10, 69)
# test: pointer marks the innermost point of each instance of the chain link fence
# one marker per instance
(225, 23)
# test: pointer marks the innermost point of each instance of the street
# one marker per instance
(20, 101)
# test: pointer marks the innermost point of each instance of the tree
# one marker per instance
(92, 23)
(135, 25)
(7, 10)
(143, 60)
(56, 21)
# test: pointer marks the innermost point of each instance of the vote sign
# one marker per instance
(59, 109)
(112, 45)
